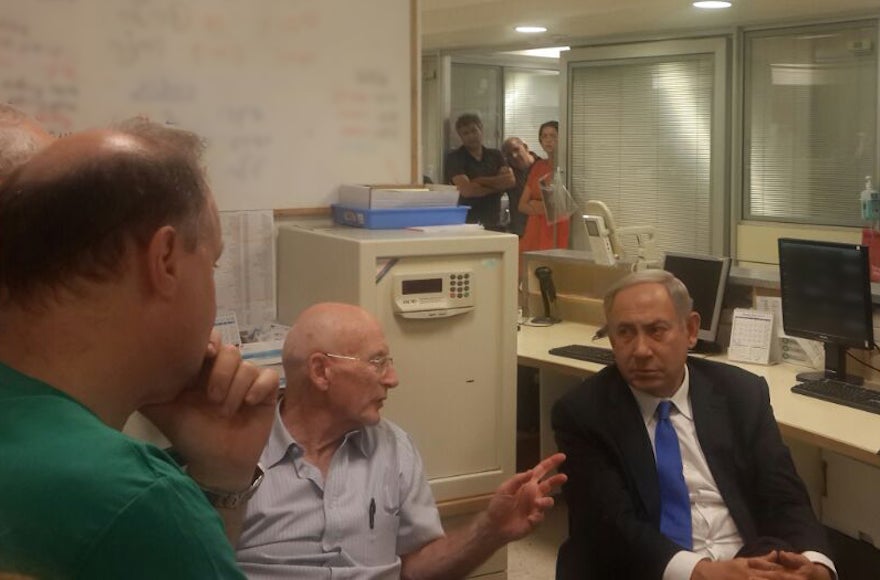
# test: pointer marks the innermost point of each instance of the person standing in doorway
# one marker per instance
(481, 174)
(539, 233)
(521, 160)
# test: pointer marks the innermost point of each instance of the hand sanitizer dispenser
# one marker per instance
(870, 201)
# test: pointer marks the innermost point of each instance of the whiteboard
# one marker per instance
(294, 97)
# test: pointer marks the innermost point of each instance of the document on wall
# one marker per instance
(266, 354)
(245, 274)
(227, 325)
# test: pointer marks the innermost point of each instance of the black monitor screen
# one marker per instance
(706, 279)
(826, 292)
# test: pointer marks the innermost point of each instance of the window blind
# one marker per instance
(531, 97)
(810, 122)
(476, 89)
(640, 140)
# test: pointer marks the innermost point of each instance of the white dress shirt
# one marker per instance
(715, 534)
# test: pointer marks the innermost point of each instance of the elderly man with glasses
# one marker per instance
(344, 493)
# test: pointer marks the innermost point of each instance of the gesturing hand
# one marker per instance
(520, 502)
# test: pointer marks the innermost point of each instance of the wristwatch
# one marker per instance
(223, 499)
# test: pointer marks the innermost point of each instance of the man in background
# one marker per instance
(345, 492)
(676, 466)
(20, 138)
(481, 174)
(521, 160)
(108, 241)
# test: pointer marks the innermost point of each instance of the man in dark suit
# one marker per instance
(743, 512)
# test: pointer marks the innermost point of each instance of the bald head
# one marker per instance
(72, 154)
(79, 204)
(326, 327)
(20, 139)
(517, 153)
(510, 143)
(338, 371)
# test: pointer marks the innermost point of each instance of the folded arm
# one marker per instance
(531, 202)
(483, 186)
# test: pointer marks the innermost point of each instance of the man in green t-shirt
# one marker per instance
(108, 240)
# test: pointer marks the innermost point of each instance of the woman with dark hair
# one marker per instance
(539, 234)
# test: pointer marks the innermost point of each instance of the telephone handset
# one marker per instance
(600, 240)
(548, 295)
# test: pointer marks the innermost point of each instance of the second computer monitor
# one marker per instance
(706, 280)
(826, 296)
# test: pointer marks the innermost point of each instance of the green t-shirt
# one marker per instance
(79, 499)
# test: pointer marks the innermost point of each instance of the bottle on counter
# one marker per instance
(870, 204)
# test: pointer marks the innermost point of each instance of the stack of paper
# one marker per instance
(448, 229)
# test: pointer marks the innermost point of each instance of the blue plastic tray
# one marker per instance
(389, 219)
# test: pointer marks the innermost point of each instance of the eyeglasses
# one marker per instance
(380, 363)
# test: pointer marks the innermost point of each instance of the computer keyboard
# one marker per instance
(841, 393)
(596, 354)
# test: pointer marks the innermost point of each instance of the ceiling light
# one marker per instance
(531, 29)
(712, 4)
(550, 52)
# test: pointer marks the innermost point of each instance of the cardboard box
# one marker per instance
(397, 196)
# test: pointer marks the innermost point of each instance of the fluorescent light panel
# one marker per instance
(530, 29)
(549, 52)
(712, 4)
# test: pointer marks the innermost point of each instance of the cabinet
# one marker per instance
(455, 356)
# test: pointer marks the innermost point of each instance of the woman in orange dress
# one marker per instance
(538, 234)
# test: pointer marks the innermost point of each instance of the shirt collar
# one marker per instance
(359, 439)
(281, 441)
(681, 399)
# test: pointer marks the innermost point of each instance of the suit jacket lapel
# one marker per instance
(715, 434)
(628, 429)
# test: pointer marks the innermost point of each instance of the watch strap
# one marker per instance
(228, 500)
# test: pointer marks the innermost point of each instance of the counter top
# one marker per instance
(847, 431)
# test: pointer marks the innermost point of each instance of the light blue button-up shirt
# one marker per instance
(374, 506)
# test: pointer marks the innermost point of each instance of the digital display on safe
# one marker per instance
(422, 286)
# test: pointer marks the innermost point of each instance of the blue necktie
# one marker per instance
(675, 504)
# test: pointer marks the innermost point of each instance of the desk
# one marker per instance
(849, 432)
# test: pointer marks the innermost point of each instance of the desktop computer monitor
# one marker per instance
(826, 296)
(706, 280)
